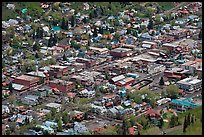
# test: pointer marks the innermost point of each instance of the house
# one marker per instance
(120, 52)
(100, 110)
(85, 93)
(10, 6)
(112, 112)
(190, 84)
(183, 104)
(43, 91)
(80, 128)
(30, 100)
(56, 106)
(56, 29)
(149, 45)
(5, 109)
(61, 85)
(163, 101)
(192, 66)
(153, 115)
(28, 81)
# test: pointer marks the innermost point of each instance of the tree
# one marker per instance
(172, 91)
(35, 47)
(10, 87)
(64, 57)
(65, 117)
(173, 121)
(117, 36)
(63, 25)
(161, 82)
(185, 124)
(200, 35)
(59, 124)
(188, 121)
(128, 31)
(101, 30)
(150, 25)
(95, 34)
(124, 127)
(91, 15)
(53, 112)
(73, 21)
(36, 55)
(193, 119)
(161, 123)
(12, 126)
(50, 42)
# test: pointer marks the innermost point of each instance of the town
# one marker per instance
(101, 68)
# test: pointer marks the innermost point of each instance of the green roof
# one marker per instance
(24, 10)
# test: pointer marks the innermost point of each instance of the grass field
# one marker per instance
(166, 5)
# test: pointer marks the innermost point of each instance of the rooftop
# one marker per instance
(27, 78)
(120, 50)
(189, 81)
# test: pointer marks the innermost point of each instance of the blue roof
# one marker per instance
(56, 28)
(186, 102)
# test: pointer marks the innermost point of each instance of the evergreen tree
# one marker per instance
(49, 42)
(10, 87)
(124, 127)
(73, 21)
(138, 133)
(63, 25)
(193, 119)
(150, 25)
(64, 57)
(161, 82)
(200, 35)
(100, 30)
(35, 47)
(188, 119)
(91, 15)
(36, 55)
(66, 25)
(65, 117)
(54, 40)
(95, 34)
(128, 31)
(59, 124)
(185, 124)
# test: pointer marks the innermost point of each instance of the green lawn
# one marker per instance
(166, 5)
(151, 131)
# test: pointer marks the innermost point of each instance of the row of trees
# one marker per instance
(188, 120)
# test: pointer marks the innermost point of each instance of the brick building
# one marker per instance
(61, 85)
(28, 81)
(58, 71)
(120, 52)
(88, 63)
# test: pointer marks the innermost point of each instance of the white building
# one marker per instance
(155, 68)
(190, 84)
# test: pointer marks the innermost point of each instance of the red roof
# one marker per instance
(131, 130)
(152, 112)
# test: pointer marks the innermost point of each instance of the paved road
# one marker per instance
(177, 7)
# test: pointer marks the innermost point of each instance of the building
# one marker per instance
(56, 106)
(28, 81)
(149, 45)
(192, 66)
(155, 68)
(30, 100)
(190, 84)
(44, 91)
(44, 76)
(88, 62)
(61, 85)
(120, 52)
(58, 71)
(99, 50)
(183, 104)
